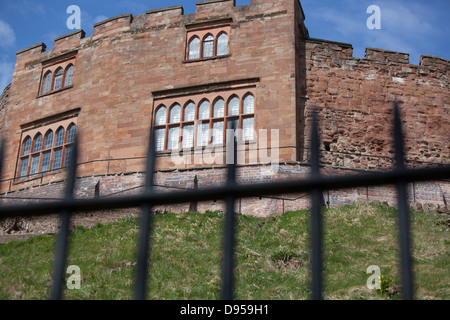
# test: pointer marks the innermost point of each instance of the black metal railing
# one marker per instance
(231, 191)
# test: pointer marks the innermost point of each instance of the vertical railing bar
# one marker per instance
(229, 221)
(403, 214)
(316, 219)
(64, 232)
(145, 224)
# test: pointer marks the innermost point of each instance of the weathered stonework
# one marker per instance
(131, 64)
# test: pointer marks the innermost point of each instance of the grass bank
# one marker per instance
(272, 257)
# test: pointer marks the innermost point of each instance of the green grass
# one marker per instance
(272, 257)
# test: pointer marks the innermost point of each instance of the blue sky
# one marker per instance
(412, 26)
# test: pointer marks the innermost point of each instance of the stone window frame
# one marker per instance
(197, 100)
(51, 67)
(34, 130)
(201, 33)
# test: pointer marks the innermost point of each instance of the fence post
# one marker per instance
(403, 214)
(193, 205)
(316, 215)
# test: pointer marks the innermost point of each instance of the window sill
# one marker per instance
(54, 91)
(207, 59)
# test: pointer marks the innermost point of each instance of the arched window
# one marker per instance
(222, 44)
(175, 113)
(71, 133)
(26, 146)
(57, 158)
(161, 115)
(208, 46)
(48, 140)
(233, 106)
(219, 108)
(58, 79)
(37, 143)
(204, 109)
(194, 48)
(249, 104)
(189, 112)
(47, 82)
(69, 76)
(60, 137)
(46, 156)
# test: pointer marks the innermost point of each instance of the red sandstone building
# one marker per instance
(195, 75)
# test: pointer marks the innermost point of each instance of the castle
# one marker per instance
(193, 76)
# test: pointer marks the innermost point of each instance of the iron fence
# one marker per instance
(314, 185)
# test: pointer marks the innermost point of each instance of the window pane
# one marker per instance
(60, 137)
(203, 112)
(69, 77)
(49, 140)
(194, 49)
(24, 168)
(202, 134)
(26, 146)
(57, 159)
(233, 107)
(160, 135)
(248, 129)
(71, 134)
(222, 44)
(58, 79)
(37, 143)
(68, 155)
(189, 112)
(161, 116)
(47, 83)
(174, 134)
(188, 137)
(208, 47)
(175, 114)
(217, 133)
(46, 162)
(34, 164)
(249, 104)
(234, 123)
(219, 108)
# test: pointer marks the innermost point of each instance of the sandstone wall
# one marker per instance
(129, 59)
(354, 99)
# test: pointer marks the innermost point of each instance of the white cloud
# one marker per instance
(7, 35)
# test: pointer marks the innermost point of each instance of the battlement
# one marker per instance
(336, 52)
(172, 16)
